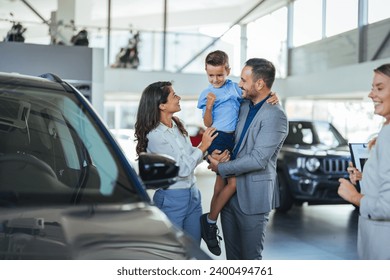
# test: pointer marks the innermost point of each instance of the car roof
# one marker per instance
(47, 80)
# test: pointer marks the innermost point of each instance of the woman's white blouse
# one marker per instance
(375, 203)
(170, 141)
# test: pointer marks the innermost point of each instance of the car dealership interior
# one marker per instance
(324, 52)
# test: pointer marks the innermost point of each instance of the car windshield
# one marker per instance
(52, 151)
(314, 133)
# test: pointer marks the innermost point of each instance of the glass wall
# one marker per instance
(122, 115)
(229, 42)
(341, 16)
(307, 23)
(378, 10)
(181, 48)
(312, 20)
(359, 128)
(267, 38)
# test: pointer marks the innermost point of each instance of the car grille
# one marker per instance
(334, 165)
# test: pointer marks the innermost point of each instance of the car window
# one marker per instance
(92, 141)
(307, 134)
(52, 151)
(300, 134)
(326, 134)
(313, 133)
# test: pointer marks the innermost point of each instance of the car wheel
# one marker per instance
(286, 200)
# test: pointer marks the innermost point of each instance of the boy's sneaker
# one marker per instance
(210, 235)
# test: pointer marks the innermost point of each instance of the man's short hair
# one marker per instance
(262, 69)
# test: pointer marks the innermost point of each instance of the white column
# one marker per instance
(243, 45)
(65, 17)
(70, 14)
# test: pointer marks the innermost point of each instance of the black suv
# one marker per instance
(67, 190)
(313, 157)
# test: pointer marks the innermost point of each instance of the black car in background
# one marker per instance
(67, 190)
(312, 159)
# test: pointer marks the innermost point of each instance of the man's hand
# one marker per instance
(213, 166)
(216, 157)
(221, 157)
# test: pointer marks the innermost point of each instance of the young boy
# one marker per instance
(220, 104)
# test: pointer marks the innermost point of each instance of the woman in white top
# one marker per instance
(158, 131)
(374, 199)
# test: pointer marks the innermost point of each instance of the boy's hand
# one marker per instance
(210, 100)
(221, 156)
(273, 99)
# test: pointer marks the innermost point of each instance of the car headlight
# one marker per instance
(312, 164)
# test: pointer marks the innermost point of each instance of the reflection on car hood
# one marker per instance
(317, 150)
(134, 231)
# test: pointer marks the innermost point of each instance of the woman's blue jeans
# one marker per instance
(183, 207)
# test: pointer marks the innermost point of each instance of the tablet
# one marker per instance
(359, 154)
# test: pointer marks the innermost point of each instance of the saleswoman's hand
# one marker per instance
(348, 192)
(354, 174)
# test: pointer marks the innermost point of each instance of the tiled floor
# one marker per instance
(326, 232)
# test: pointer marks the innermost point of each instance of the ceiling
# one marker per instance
(182, 15)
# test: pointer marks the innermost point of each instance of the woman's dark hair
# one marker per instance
(384, 69)
(148, 114)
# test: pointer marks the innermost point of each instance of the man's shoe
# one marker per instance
(210, 235)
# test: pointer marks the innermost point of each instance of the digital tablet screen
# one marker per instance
(359, 154)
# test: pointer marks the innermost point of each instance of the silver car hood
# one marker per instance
(134, 231)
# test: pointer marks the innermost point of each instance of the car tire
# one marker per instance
(286, 200)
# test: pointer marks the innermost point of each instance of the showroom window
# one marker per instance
(122, 114)
(341, 16)
(307, 21)
(355, 119)
(378, 10)
(271, 29)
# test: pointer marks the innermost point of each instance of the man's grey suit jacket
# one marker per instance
(255, 163)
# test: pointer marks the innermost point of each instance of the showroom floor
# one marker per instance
(326, 232)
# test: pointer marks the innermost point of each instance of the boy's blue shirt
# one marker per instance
(226, 105)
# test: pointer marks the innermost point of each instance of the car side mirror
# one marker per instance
(157, 170)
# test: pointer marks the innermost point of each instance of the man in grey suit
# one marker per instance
(260, 133)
